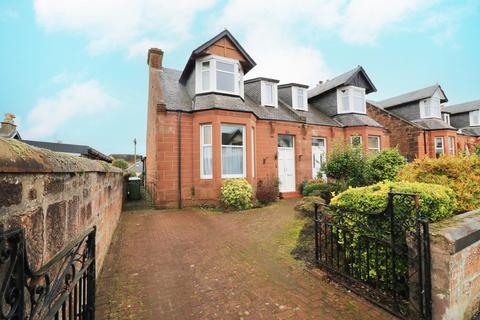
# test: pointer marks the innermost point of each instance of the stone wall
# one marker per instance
(455, 249)
(55, 197)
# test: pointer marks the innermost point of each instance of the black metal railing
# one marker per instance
(64, 288)
(383, 256)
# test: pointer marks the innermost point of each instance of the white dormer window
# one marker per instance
(299, 98)
(351, 100)
(430, 108)
(269, 94)
(475, 118)
(219, 74)
(446, 118)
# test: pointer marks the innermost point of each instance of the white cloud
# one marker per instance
(141, 47)
(120, 24)
(76, 100)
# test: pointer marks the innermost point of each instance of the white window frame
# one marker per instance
(244, 158)
(446, 118)
(443, 145)
(263, 93)
(378, 148)
(252, 141)
(356, 135)
(428, 103)
(295, 105)
(472, 118)
(349, 91)
(451, 145)
(237, 70)
(202, 145)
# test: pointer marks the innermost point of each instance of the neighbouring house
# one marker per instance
(206, 123)
(416, 124)
(9, 130)
(72, 149)
(466, 118)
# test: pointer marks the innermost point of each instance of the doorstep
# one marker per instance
(290, 195)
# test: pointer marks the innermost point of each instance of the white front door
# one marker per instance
(319, 156)
(286, 163)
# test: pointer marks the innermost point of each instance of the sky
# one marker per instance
(75, 71)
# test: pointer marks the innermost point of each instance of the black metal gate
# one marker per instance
(64, 288)
(383, 256)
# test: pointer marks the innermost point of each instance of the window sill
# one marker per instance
(206, 178)
(233, 176)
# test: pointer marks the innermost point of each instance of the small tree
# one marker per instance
(120, 163)
(385, 165)
(347, 164)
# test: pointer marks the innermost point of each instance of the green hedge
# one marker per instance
(436, 202)
(461, 174)
(326, 190)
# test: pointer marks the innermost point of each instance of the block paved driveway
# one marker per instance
(195, 264)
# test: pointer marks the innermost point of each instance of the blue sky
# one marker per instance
(75, 71)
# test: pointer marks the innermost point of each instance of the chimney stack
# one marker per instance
(155, 57)
(8, 125)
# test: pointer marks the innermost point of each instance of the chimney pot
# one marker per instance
(155, 57)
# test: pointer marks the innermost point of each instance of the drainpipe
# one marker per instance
(425, 141)
(179, 127)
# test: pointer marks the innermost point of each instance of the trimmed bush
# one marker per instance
(348, 165)
(120, 163)
(461, 174)
(236, 194)
(306, 205)
(436, 202)
(267, 190)
(385, 165)
(326, 190)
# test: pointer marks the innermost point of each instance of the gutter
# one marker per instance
(179, 151)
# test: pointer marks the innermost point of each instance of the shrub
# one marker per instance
(385, 165)
(326, 190)
(120, 163)
(461, 174)
(436, 202)
(348, 165)
(267, 190)
(236, 194)
(306, 205)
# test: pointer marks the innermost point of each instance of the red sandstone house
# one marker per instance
(206, 124)
(421, 126)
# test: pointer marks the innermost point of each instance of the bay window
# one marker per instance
(206, 151)
(219, 74)
(430, 108)
(351, 100)
(373, 144)
(475, 118)
(451, 145)
(233, 151)
(439, 146)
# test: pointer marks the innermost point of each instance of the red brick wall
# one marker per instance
(196, 191)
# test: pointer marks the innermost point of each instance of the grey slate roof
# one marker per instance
(471, 131)
(433, 124)
(462, 107)
(341, 80)
(70, 148)
(413, 96)
(176, 98)
(356, 119)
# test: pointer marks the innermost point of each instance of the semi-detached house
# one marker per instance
(420, 124)
(206, 123)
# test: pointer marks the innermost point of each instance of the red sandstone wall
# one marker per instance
(196, 191)
(56, 207)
